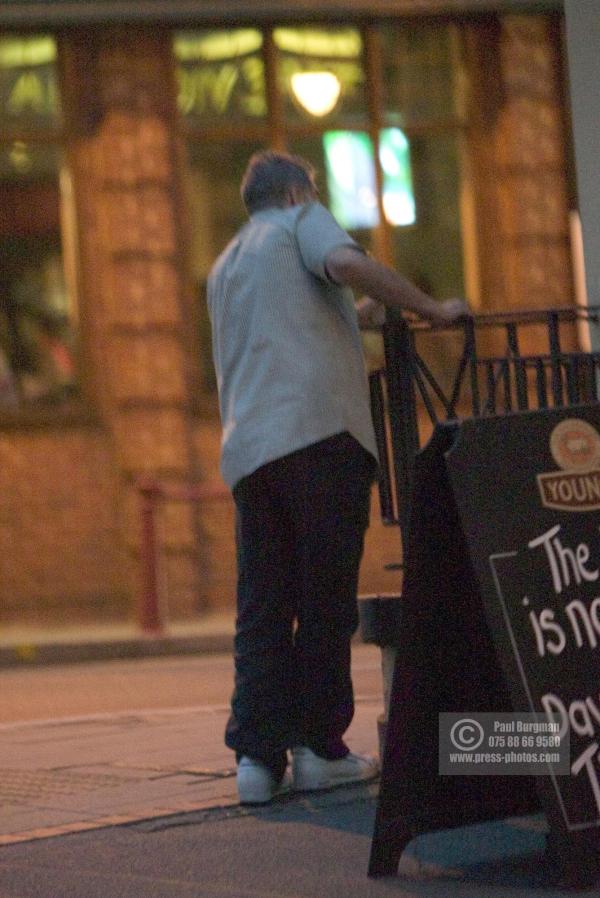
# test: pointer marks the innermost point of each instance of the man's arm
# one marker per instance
(353, 268)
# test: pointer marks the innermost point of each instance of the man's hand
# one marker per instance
(371, 314)
(449, 311)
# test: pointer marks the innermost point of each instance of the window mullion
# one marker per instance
(277, 137)
(373, 54)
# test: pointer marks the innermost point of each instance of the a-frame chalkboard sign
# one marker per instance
(501, 612)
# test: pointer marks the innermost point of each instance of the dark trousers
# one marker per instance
(300, 532)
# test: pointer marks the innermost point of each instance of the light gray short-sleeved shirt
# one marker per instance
(286, 343)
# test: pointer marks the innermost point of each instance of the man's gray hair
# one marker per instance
(270, 175)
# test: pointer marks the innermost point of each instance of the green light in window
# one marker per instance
(398, 197)
(217, 45)
(19, 52)
(351, 178)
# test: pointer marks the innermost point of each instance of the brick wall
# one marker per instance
(517, 138)
(59, 531)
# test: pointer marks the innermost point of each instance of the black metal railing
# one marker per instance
(491, 376)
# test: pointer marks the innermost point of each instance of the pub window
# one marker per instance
(379, 111)
(37, 312)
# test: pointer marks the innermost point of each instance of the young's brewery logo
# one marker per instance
(575, 447)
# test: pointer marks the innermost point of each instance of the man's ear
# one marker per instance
(297, 195)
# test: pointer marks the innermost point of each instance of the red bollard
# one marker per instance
(150, 617)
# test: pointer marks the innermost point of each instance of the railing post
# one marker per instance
(471, 351)
(572, 373)
(149, 613)
(591, 388)
(402, 409)
(386, 494)
(555, 358)
(515, 356)
(540, 381)
(490, 405)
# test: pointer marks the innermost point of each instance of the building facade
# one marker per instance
(441, 134)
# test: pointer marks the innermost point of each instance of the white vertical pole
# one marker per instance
(583, 48)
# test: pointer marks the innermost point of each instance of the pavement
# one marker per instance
(143, 804)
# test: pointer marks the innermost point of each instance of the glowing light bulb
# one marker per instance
(317, 92)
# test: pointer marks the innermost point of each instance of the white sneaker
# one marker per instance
(256, 784)
(312, 772)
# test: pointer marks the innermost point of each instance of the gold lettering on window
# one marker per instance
(209, 89)
(32, 94)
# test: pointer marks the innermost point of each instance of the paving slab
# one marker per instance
(61, 776)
